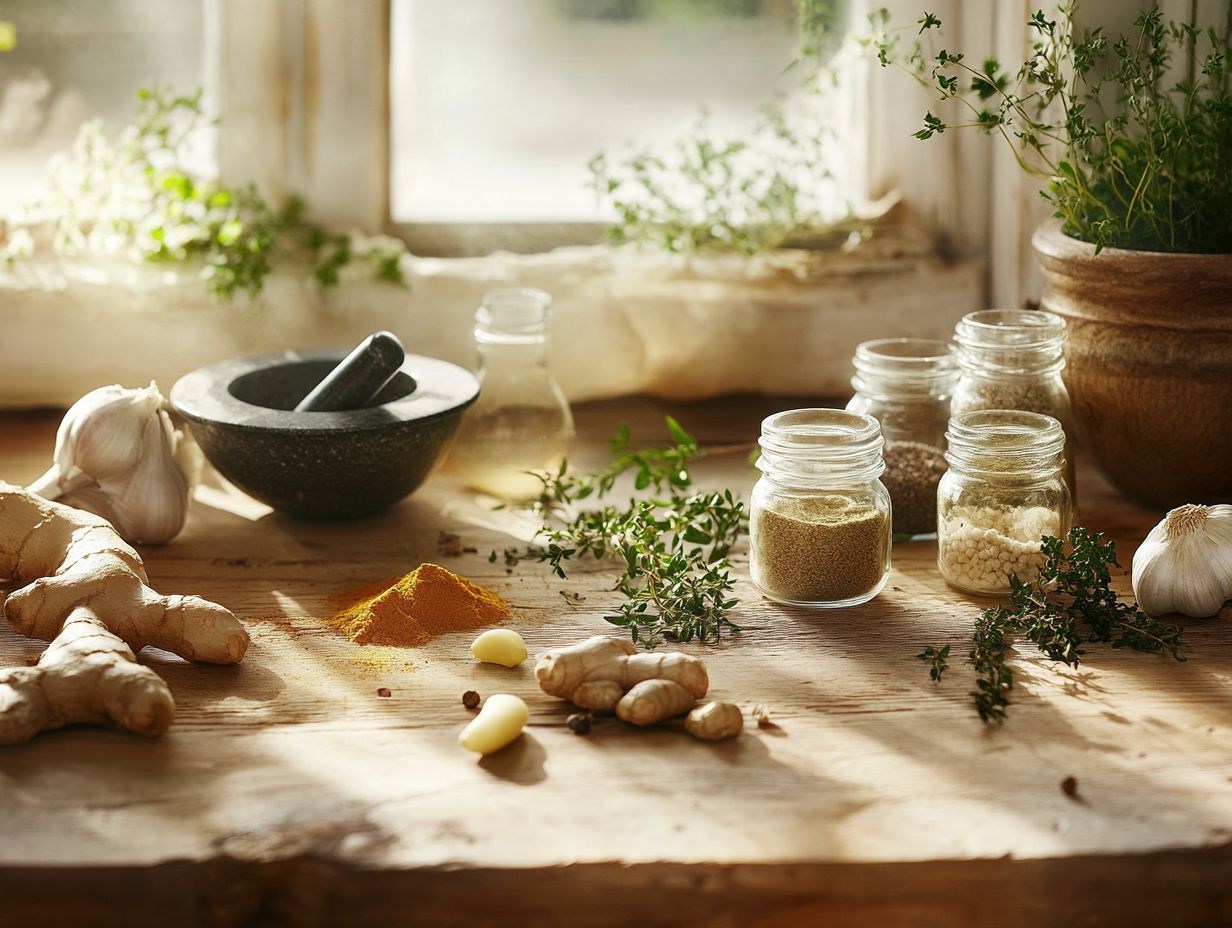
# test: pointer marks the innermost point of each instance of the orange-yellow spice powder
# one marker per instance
(427, 602)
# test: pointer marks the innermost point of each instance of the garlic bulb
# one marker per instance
(119, 456)
(1185, 564)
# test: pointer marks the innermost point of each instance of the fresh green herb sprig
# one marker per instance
(1070, 604)
(131, 193)
(674, 545)
(704, 192)
(938, 661)
(1131, 156)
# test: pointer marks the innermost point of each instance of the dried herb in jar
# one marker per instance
(819, 549)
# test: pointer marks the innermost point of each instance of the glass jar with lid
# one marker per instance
(1004, 492)
(907, 384)
(819, 516)
(1013, 359)
(521, 422)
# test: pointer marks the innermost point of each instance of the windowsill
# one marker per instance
(624, 321)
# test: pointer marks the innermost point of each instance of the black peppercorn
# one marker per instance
(470, 699)
(579, 722)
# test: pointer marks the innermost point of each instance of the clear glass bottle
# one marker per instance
(1004, 491)
(819, 517)
(1013, 359)
(906, 384)
(521, 421)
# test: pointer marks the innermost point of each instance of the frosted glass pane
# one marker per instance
(499, 104)
(79, 59)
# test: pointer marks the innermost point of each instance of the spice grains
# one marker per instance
(912, 471)
(819, 550)
(979, 547)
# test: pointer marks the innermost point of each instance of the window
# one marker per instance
(76, 60)
(496, 107)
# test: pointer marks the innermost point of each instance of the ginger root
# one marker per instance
(609, 674)
(715, 721)
(653, 701)
(85, 590)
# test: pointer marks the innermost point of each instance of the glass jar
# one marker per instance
(819, 517)
(521, 422)
(1004, 492)
(1012, 359)
(906, 385)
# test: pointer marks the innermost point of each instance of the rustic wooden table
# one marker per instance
(289, 792)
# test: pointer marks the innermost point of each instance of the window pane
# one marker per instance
(79, 59)
(498, 105)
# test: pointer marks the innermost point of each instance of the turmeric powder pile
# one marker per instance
(427, 602)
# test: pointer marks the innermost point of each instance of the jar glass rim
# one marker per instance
(1010, 328)
(514, 312)
(907, 354)
(819, 428)
(821, 444)
(1004, 433)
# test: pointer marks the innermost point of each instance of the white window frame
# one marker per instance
(282, 126)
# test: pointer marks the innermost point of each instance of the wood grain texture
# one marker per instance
(289, 792)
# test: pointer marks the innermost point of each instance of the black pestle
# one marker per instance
(359, 376)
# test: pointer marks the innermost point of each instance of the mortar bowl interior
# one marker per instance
(322, 465)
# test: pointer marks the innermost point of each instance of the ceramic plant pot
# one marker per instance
(1149, 364)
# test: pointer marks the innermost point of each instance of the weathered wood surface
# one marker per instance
(289, 792)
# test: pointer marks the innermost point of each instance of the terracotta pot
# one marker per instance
(1149, 364)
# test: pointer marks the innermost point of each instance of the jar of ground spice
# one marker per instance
(906, 384)
(819, 517)
(1004, 491)
(1012, 359)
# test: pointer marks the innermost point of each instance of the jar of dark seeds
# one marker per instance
(1013, 359)
(906, 384)
(819, 517)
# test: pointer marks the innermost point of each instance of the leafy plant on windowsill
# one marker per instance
(131, 194)
(769, 188)
(1131, 155)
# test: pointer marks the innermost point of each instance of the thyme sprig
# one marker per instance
(673, 545)
(1070, 604)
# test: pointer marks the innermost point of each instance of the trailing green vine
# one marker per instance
(130, 193)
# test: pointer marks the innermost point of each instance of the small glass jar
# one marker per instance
(819, 517)
(521, 422)
(906, 384)
(1004, 492)
(1012, 359)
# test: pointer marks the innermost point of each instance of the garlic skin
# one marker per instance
(119, 455)
(1185, 563)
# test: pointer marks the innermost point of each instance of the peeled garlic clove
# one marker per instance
(501, 646)
(498, 724)
(1185, 563)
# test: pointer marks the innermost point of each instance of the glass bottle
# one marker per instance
(521, 421)
(1004, 491)
(906, 384)
(1012, 359)
(819, 517)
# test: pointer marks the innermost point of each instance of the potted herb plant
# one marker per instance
(1132, 138)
